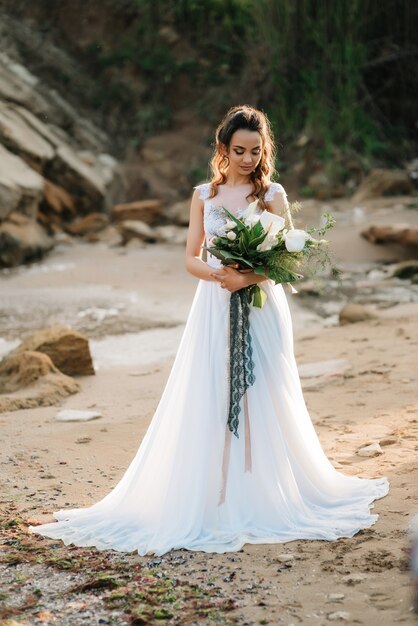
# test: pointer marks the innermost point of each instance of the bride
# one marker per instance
(192, 483)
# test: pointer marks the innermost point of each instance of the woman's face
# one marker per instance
(245, 151)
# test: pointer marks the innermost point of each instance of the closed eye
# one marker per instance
(256, 152)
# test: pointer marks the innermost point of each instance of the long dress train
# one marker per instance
(193, 485)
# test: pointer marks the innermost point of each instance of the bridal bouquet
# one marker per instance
(260, 241)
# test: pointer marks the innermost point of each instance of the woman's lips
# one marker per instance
(245, 167)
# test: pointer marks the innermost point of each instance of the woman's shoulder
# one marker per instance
(203, 189)
(272, 189)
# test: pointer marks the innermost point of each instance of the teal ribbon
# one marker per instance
(241, 364)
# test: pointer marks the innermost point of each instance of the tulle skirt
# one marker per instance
(194, 485)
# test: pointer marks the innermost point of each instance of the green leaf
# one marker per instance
(257, 240)
(238, 222)
(257, 229)
(242, 243)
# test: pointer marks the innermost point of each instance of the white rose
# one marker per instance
(272, 223)
(295, 240)
(231, 235)
(228, 225)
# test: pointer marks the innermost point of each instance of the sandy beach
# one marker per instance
(132, 303)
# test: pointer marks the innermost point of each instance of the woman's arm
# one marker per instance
(195, 238)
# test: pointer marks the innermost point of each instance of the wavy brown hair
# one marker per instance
(248, 118)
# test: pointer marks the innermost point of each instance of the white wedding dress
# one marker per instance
(192, 483)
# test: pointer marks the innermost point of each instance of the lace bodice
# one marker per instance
(233, 199)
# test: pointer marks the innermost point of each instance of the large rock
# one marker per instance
(148, 211)
(19, 85)
(135, 229)
(58, 199)
(68, 349)
(383, 182)
(170, 233)
(53, 138)
(22, 240)
(71, 172)
(91, 223)
(21, 188)
(22, 139)
(353, 313)
(179, 213)
(401, 234)
(404, 269)
(57, 208)
(30, 379)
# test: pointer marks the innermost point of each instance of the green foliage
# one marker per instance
(131, 589)
(342, 73)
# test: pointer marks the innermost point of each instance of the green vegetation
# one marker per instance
(321, 68)
(133, 588)
(341, 73)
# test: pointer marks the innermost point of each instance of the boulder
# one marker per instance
(48, 133)
(29, 379)
(170, 233)
(21, 188)
(58, 199)
(91, 223)
(110, 235)
(401, 234)
(352, 313)
(109, 172)
(56, 208)
(22, 240)
(404, 269)
(19, 137)
(148, 211)
(70, 172)
(179, 213)
(384, 182)
(68, 349)
(131, 229)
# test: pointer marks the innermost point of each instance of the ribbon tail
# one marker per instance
(248, 459)
(225, 464)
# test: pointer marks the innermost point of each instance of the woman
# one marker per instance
(192, 484)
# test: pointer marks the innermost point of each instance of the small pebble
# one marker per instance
(372, 450)
(339, 615)
(335, 597)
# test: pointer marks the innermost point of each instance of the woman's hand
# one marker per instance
(231, 278)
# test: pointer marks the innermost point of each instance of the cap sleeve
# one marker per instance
(204, 190)
(272, 190)
(269, 196)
